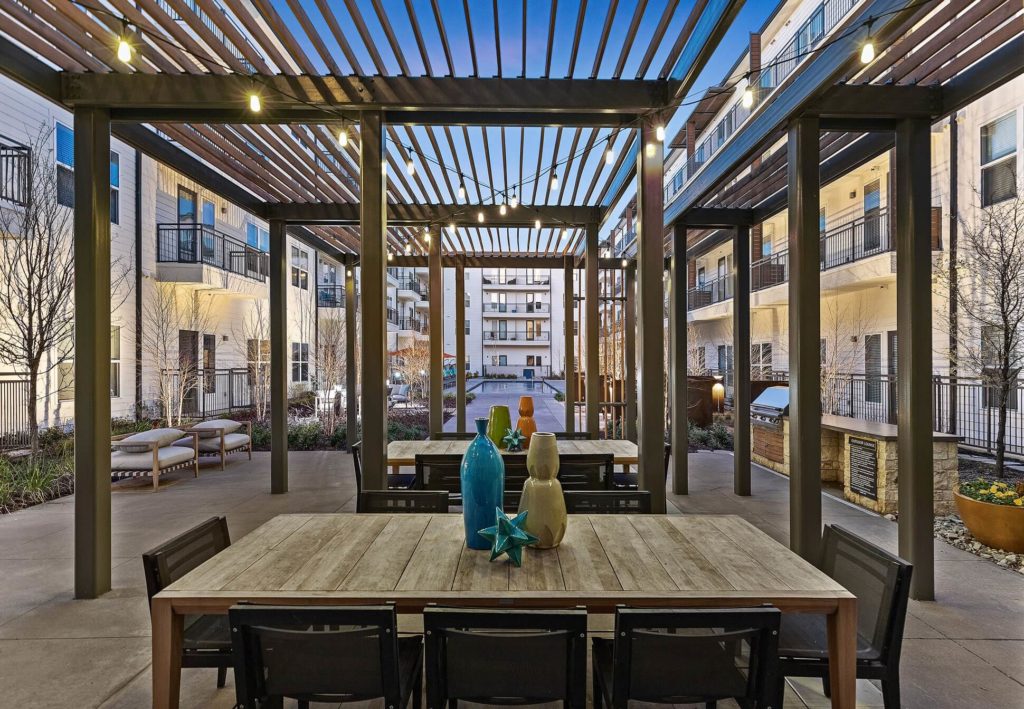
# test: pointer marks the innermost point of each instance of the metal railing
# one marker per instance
(515, 336)
(515, 277)
(200, 243)
(714, 291)
(330, 296)
(413, 284)
(392, 316)
(419, 325)
(14, 171)
(14, 388)
(213, 392)
(517, 308)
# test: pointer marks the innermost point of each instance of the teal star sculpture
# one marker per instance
(514, 440)
(508, 536)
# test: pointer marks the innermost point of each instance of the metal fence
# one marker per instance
(13, 410)
(218, 391)
(14, 171)
(201, 243)
(516, 336)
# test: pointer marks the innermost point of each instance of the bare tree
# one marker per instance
(989, 293)
(412, 364)
(166, 314)
(253, 337)
(37, 262)
(843, 325)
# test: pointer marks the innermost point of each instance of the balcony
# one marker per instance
(392, 315)
(14, 171)
(412, 288)
(848, 243)
(517, 308)
(413, 324)
(332, 296)
(185, 251)
(515, 277)
(519, 337)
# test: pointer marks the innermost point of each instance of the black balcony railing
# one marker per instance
(14, 398)
(392, 316)
(517, 308)
(330, 296)
(515, 336)
(199, 243)
(714, 291)
(419, 325)
(413, 284)
(213, 392)
(14, 171)
(515, 277)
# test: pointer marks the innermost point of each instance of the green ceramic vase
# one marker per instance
(498, 423)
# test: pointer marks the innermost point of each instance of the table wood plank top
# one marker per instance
(416, 559)
(405, 452)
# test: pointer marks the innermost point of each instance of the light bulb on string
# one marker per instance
(748, 94)
(408, 248)
(480, 216)
(514, 202)
(451, 227)
(502, 209)
(391, 256)
(255, 105)
(343, 137)
(625, 263)
(462, 191)
(554, 181)
(659, 133)
(426, 233)
(536, 224)
(609, 156)
(410, 167)
(867, 51)
(124, 50)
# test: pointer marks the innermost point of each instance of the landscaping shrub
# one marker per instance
(559, 396)
(998, 493)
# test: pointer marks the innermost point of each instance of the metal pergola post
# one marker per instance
(677, 364)
(435, 294)
(630, 354)
(373, 283)
(278, 357)
(914, 365)
(592, 321)
(570, 344)
(92, 352)
(651, 314)
(351, 400)
(804, 339)
(741, 361)
(460, 346)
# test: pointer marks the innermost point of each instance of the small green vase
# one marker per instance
(498, 423)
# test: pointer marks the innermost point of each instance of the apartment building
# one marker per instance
(189, 271)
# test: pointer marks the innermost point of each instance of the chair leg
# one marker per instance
(222, 676)
(598, 703)
(780, 691)
(891, 693)
(826, 685)
(303, 705)
(710, 705)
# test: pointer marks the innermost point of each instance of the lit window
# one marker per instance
(300, 362)
(999, 160)
(300, 268)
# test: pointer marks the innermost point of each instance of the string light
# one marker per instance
(348, 272)
(426, 233)
(391, 256)
(502, 210)
(410, 167)
(462, 190)
(480, 216)
(536, 224)
(124, 50)
(659, 133)
(343, 137)
(867, 52)
(255, 105)
(514, 202)
(451, 227)
(609, 156)
(748, 93)
(625, 263)
(554, 181)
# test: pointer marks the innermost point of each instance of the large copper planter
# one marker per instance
(998, 526)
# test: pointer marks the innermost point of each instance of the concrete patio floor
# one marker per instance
(966, 650)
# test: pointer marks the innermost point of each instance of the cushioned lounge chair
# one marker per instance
(219, 438)
(152, 453)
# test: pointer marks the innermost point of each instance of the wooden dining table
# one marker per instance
(669, 561)
(404, 452)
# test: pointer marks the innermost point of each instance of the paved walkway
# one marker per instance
(549, 414)
(966, 650)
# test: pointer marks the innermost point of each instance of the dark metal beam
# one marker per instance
(717, 218)
(741, 361)
(592, 322)
(678, 361)
(444, 214)
(278, 358)
(630, 354)
(569, 303)
(890, 101)
(511, 118)
(373, 236)
(914, 364)
(92, 353)
(24, 68)
(804, 340)
(460, 346)
(351, 398)
(435, 294)
(651, 315)
(492, 261)
(188, 92)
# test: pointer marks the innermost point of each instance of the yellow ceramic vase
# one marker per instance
(542, 493)
(526, 424)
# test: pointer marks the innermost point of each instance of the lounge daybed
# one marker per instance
(219, 437)
(152, 453)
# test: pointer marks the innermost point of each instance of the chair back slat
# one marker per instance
(439, 471)
(452, 436)
(585, 471)
(573, 436)
(324, 654)
(174, 558)
(399, 501)
(506, 656)
(516, 473)
(879, 580)
(608, 502)
(729, 654)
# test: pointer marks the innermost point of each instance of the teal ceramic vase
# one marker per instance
(498, 424)
(483, 483)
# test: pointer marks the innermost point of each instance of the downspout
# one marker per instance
(138, 283)
(953, 315)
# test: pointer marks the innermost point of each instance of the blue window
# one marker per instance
(65, 146)
(257, 238)
(209, 213)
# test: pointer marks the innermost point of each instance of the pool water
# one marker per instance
(513, 386)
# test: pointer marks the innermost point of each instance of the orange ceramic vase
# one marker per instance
(526, 424)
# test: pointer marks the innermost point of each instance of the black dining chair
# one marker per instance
(688, 656)
(323, 654)
(206, 641)
(585, 471)
(881, 583)
(440, 471)
(452, 436)
(573, 436)
(506, 656)
(630, 480)
(395, 481)
(590, 502)
(399, 501)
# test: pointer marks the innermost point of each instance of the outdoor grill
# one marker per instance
(768, 409)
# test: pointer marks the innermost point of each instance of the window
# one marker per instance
(209, 364)
(115, 362)
(257, 237)
(467, 364)
(873, 368)
(66, 381)
(186, 206)
(209, 215)
(467, 327)
(65, 167)
(467, 302)
(822, 220)
(502, 360)
(300, 269)
(115, 188)
(761, 360)
(999, 160)
(257, 353)
(300, 362)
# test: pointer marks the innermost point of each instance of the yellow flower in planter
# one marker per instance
(994, 489)
(1019, 501)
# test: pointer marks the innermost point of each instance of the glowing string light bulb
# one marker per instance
(480, 216)
(514, 202)
(609, 156)
(410, 167)
(554, 181)
(748, 97)
(659, 133)
(536, 224)
(124, 50)
(462, 190)
(867, 52)
(502, 209)
(343, 137)
(255, 105)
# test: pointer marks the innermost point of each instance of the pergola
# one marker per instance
(412, 168)
(183, 101)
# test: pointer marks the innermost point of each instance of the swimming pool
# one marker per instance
(513, 386)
